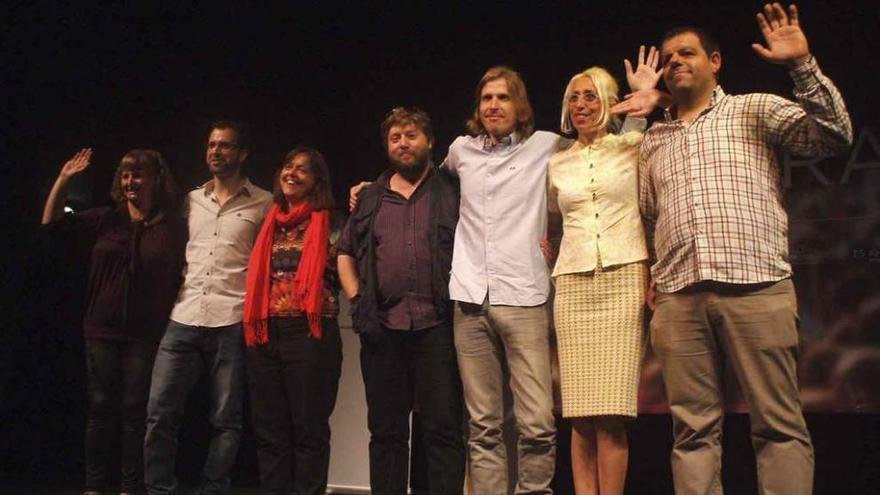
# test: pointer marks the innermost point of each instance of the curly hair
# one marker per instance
(402, 116)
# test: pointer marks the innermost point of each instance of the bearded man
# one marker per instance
(394, 262)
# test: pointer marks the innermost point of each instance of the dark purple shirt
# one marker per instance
(403, 258)
(135, 269)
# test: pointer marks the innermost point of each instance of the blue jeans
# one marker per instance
(184, 354)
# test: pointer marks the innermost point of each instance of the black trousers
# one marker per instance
(403, 370)
(292, 382)
(118, 388)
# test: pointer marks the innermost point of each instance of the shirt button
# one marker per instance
(211, 253)
(594, 196)
(597, 215)
(591, 165)
(598, 236)
(592, 180)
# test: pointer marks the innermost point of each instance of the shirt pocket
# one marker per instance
(245, 225)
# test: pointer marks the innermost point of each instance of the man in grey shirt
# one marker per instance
(204, 332)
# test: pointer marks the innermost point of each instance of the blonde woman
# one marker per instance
(600, 273)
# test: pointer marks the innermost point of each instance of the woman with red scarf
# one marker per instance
(294, 352)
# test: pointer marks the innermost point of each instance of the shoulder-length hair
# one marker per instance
(606, 90)
(321, 196)
(166, 195)
(525, 116)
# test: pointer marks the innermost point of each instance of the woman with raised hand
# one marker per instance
(293, 347)
(136, 253)
(600, 273)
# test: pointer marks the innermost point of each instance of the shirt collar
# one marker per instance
(717, 95)
(506, 142)
(244, 190)
(385, 178)
(596, 144)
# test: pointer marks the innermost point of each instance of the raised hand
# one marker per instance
(641, 103)
(77, 164)
(54, 208)
(786, 43)
(646, 74)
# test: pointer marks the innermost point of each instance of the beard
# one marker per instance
(412, 171)
(224, 168)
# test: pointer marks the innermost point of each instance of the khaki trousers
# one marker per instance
(754, 328)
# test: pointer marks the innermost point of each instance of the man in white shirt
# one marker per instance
(204, 331)
(500, 283)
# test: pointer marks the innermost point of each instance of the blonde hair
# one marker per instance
(606, 90)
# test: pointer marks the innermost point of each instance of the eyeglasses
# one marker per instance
(222, 145)
(588, 96)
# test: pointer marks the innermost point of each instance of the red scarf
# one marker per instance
(308, 284)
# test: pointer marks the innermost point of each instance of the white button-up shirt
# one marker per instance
(503, 218)
(217, 254)
(595, 189)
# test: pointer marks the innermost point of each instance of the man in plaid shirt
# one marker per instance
(711, 197)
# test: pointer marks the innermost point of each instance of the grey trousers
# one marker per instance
(755, 329)
(485, 338)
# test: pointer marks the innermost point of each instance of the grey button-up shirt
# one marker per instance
(217, 254)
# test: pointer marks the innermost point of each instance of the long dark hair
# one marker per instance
(321, 196)
(166, 195)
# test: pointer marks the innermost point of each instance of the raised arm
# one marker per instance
(54, 208)
(786, 42)
(642, 80)
(819, 124)
(645, 75)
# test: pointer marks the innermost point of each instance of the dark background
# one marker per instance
(121, 76)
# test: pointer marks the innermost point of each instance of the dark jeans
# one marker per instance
(292, 382)
(185, 353)
(402, 370)
(118, 387)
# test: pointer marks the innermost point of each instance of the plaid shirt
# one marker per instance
(710, 192)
